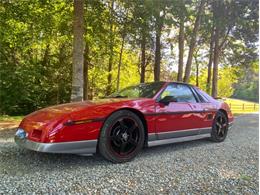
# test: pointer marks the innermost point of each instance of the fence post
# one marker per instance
(230, 105)
(243, 108)
(254, 106)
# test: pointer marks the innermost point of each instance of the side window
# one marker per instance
(198, 95)
(181, 93)
(206, 96)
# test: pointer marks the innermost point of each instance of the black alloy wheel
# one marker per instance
(220, 127)
(122, 136)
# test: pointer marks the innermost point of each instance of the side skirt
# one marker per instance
(178, 139)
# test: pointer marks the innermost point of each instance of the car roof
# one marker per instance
(172, 82)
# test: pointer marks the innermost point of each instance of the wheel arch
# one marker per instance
(224, 112)
(140, 115)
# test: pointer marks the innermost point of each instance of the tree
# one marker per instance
(124, 27)
(182, 16)
(86, 72)
(197, 67)
(140, 32)
(111, 48)
(159, 14)
(78, 51)
(120, 62)
(143, 57)
(211, 47)
(36, 40)
(157, 60)
(224, 16)
(193, 42)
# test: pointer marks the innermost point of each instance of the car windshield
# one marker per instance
(145, 90)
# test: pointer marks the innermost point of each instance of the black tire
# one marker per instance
(121, 137)
(219, 127)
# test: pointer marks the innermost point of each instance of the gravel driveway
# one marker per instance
(193, 167)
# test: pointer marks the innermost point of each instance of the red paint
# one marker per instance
(172, 122)
(50, 121)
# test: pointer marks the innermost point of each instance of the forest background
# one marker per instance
(116, 43)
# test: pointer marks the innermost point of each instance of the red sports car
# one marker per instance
(120, 125)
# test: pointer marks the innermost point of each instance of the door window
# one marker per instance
(179, 92)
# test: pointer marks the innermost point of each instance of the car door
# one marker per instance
(208, 110)
(177, 118)
(198, 111)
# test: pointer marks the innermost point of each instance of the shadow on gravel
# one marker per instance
(163, 149)
(29, 161)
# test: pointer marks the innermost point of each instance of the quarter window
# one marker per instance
(181, 93)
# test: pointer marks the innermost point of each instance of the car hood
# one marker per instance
(60, 111)
(77, 106)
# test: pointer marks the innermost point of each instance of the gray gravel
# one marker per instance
(186, 168)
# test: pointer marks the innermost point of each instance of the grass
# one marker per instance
(10, 118)
(241, 106)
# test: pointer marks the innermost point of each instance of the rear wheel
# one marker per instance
(121, 137)
(220, 127)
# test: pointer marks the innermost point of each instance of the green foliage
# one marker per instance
(36, 47)
(248, 86)
(35, 65)
(6, 118)
(226, 80)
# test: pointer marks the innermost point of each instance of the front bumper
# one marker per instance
(76, 147)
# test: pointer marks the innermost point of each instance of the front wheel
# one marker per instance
(121, 137)
(220, 127)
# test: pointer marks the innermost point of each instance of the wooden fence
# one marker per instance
(245, 107)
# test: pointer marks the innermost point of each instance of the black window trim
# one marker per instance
(205, 100)
(194, 94)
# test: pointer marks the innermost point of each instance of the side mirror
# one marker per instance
(167, 99)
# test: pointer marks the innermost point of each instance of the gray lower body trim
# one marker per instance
(178, 139)
(183, 133)
(178, 136)
(77, 147)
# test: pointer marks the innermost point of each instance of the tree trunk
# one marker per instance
(197, 69)
(91, 88)
(119, 63)
(157, 61)
(111, 51)
(86, 67)
(46, 55)
(109, 77)
(181, 49)
(61, 57)
(210, 60)
(215, 64)
(197, 74)
(193, 43)
(78, 50)
(143, 65)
